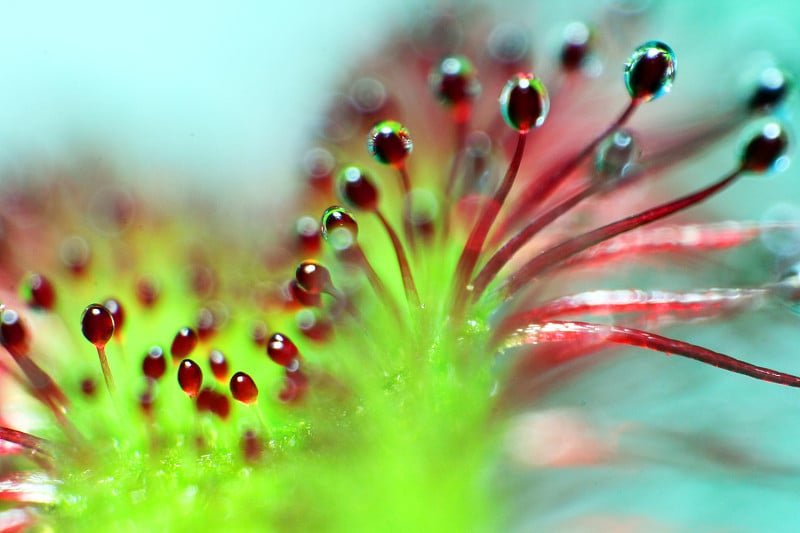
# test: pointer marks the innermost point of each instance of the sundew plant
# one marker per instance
(460, 321)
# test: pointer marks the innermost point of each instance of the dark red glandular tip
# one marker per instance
(221, 405)
(339, 228)
(319, 164)
(41, 293)
(296, 295)
(454, 83)
(210, 319)
(258, 333)
(650, 71)
(154, 364)
(294, 388)
(243, 388)
(772, 90)
(147, 291)
(389, 142)
(252, 446)
(204, 400)
(184, 343)
(312, 277)
(202, 280)
(282, 350)
(117, 312)
(577, 40)
(97, 325)
(13, 334)
(190, 377)
(307, 235)
(766, 150)
(146, 400)
(524, 102)
(88, 387)
(219, 365)
(357, 189)
(206, 323)
(314, 324)
(76, 254)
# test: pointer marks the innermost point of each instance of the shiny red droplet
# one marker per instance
(147, 291)
(13, 334)
(282, 350)
(389, 142)
(259, 333)
(252, 446)
(117, 312)
(202, 280)
(357, 189)
(184, 343)
(307, 235)
(219, 365)
(97, 325)
(297, 296)
(312, 277)
(204, 400)
(524, 102)
(88, 387)
(314, 324)
(220, 405)
(190, 377)
(154, 365)
(243, 388)
(294, 387)
(76, 254)
(42, 294)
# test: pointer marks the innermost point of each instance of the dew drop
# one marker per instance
(76, 254)
(190, 377)
(312, 277)
(252, 446)
(295, 385)
(88, 387)
(219, 365)
(772, 89)
(453, 82)
(282, 350)
(220, 405)
(154, 364)
(339, 228)
(204, 399)
(13, 334)
(243, 388)
(509, 43)
(616, 157)
(766, 149)
(524, 102)
(297, 295)
(357, 189)
(389, 142)
(258, 333)
(41, 293)
(577, 41)
(319, 164)
(97, 325)
(148, 290)
(184, 343)
(368, 95)
(313, 324)
(307, 235)
(650, 71)
(117, 313)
